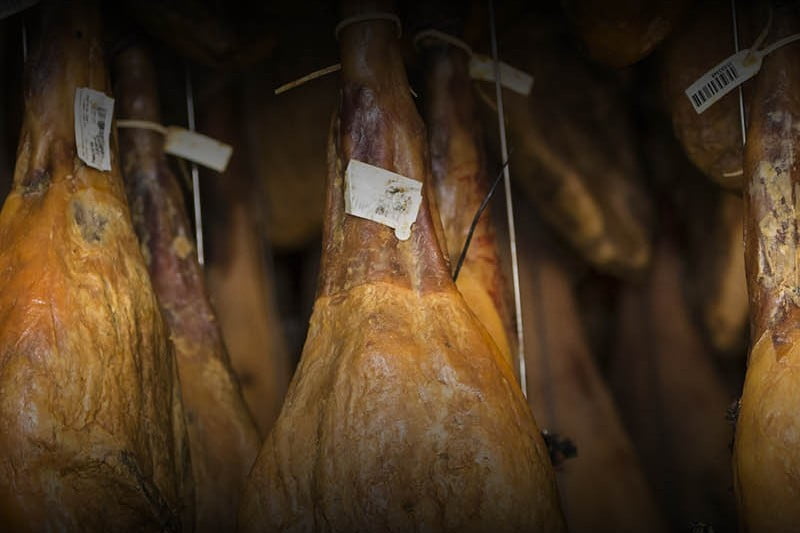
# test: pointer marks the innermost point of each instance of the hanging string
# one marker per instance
(308, 77)
(512, 234)
(742, 122)
(475, 220)
(781, 42)
(198, 213)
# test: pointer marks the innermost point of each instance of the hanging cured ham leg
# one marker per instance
(222, 436)
(240, 280)
(766, 453)
(92, 435)
(458, 164)
(671, 397)
(403, 414)
(570, 397)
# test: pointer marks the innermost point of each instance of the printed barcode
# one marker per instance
(720, 79)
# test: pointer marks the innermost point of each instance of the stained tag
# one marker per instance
(382, 196)
(197, 147)
(481, 67)
(723, 78)
(93, 113)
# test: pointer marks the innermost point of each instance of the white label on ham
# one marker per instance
(93, 114)
(722, 79)
(481, 67)
(382, 196)
(197, 147)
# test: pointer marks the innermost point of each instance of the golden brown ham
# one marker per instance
(672, 399)
(460, 179)
(766, 454)
(621, 32)
(403, 414)
(603, 488)
(93, 435)
(572, 148)
(239, 277)
(222, 436)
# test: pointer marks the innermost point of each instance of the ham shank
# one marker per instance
(240, 277)
(222, 436)
(460, 180)
(403, 414)
(766, 455)
(93, 434)
(603, 488)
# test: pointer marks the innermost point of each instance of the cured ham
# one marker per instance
(240, 281)
(621, 32)
(672, 398)
(713, 139)
(93, 432)
(460, 179)
(603, 488)
(403, 414)
(571, 147)
(223, 439)
(766, 456)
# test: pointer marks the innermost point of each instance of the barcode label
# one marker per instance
(722, 79)
(382, 196)
(93, 113)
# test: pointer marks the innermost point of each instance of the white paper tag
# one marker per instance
(722, 79)
(93, 113)
(197, 147)
(481, 67)
(381, 196)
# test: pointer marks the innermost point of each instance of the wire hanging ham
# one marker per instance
(403, 414)
(93, 435)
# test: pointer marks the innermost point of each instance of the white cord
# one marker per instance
(512, 234)
(198, 212)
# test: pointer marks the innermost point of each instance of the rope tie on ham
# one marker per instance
(355, 19)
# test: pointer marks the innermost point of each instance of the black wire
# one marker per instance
(477, 217)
